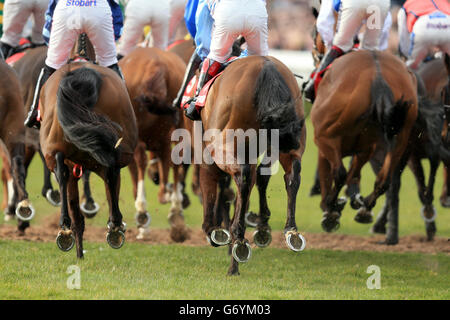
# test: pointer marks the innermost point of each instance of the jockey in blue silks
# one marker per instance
(101, 20)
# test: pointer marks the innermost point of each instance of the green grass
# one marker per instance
(38, 271)
(137, 271)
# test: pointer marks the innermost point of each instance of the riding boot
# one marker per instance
(330, 56)
(210, 68)
(193, 65)
(5, 50)
(31, 120)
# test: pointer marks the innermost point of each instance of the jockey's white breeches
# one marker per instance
(428, 33)
(141, 13)
(177, 8)
(351, 16)
(15, 16)
(69, 21)
(233, 18)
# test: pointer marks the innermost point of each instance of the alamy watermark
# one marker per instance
(227, 147)
(74, 280)
(374, 281)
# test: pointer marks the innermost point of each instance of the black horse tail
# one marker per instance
(276, 107)
(90, 132)
(390, 114)
(447, 63)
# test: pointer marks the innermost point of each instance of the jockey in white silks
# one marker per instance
(232, 18)
(141, 13)
(15, 16)
(101, 20)
(422, 26)
(353, 14)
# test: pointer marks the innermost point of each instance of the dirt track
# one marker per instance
(415, 243)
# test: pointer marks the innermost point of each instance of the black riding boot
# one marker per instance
(31, 120)
(5, 50)
(210, 68)
(330, 56)
(115, 67)
(192, 66)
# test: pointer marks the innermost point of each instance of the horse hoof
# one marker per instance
(53, 197)
(251, 219)
(65, 240)
(143, 219)
(380, 229)
(115, 239)
(295, 241)
(315, 191)
(391, 241)
(186, 201)
(89, 209)
(364, 216)
(330, 221)
(241, 251)
(25, 211)
(428, 213)
(357, 202)
(262, 238)
(220, 237)
(445, 202)
(340, 204)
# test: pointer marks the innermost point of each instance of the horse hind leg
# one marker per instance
(445, 195)
(178, 230)
(75, 213)
(65, 239)
(116, 227)
(52, 196)
(241, 251)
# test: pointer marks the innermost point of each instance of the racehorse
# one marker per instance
(153, 78)
(87, 123)
(374, 99)
(253, 93)
(28, 68)
(12, 137)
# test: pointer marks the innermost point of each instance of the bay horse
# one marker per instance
(253, 93)
(12, 145)
(375, 99)
(28, 68)
(87, 123)
(153, 77)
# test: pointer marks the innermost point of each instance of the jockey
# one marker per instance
(16, 14)
(422, 25)
(140, 13)
(101, 20)
(232, 18)
(352, 14)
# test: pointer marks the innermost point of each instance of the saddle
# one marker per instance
(192, 88)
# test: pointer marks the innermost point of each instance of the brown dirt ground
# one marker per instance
(414, 243)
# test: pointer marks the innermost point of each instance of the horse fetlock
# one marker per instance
(357, 202)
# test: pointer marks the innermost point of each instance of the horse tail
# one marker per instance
(390, 114)
(276, 107)
(447, 63)
(93, 133)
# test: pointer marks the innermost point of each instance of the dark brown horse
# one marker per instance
(88, 123)
(153, 78)
(375, 98)
(253, 93)
(12, 145)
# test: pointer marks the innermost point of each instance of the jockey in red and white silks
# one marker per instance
(232, 18)
(352, 14)
(15, 16)
(140, 13)
(423, 25)
(326, 21)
